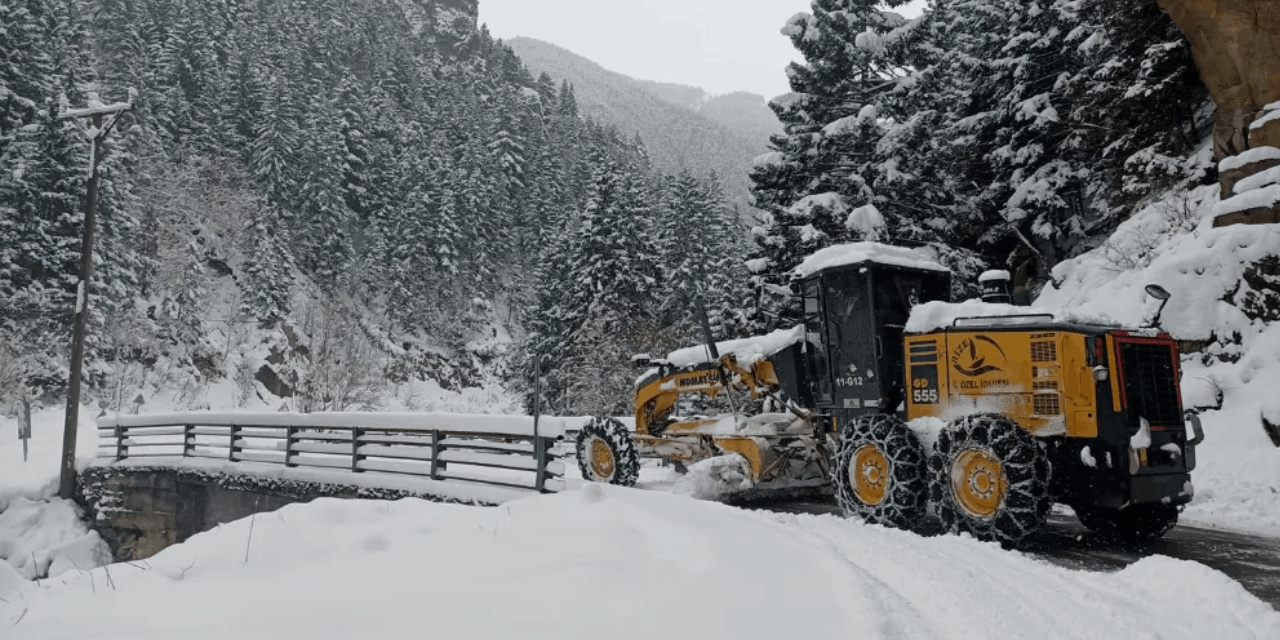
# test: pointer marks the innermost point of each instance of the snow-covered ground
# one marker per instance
(617, 563)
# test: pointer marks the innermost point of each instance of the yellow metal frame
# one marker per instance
(656, 400)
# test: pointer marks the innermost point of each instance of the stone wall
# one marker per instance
(141, 511)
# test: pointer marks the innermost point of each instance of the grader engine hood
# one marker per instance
(1038, 377)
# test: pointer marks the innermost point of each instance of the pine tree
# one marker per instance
(824, 165)
(267, 277)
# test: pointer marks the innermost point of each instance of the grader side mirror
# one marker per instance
(1159, 293)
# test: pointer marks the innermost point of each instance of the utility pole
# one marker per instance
(101, 118)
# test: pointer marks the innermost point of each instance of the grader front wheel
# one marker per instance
(880, 471)
(607, 454)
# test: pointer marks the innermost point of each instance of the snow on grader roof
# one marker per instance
(859, 252)
(934, 316)
(745, 350)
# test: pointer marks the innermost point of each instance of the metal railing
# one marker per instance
(494, 450)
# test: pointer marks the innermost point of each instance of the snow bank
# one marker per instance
(48, 538)
(745, 350)
(37, 477)
(592, 563)
(857, 252)
(1199, 269)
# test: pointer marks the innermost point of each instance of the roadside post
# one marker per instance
(24, 425)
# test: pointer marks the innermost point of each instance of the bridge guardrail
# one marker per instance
(495, 450)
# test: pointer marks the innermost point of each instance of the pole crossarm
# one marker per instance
(99, 110)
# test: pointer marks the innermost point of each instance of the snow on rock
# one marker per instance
(745, 350)
(1258, 180)
(932, 316)
(582, 564)
(46, 538)
(1248, 157)
(857, 252)
(1271, 116)
(1263, 198)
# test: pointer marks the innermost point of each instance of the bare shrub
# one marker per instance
(341, 368)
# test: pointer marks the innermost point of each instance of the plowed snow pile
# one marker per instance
(606, 562)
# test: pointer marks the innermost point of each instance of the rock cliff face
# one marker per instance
(452, 23)
(1236, 44)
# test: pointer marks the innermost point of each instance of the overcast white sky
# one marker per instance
(719, 45)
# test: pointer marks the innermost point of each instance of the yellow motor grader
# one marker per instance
(980, 412)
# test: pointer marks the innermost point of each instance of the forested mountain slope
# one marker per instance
(319, 200)
(745, 113)
(665, 116)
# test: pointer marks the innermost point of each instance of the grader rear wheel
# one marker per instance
(990, 478)
(880, 471)
(607, 454)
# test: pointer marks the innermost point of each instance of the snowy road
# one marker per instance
(608, 562)
(1252, 560)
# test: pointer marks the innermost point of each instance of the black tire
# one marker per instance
(1132, 524)
(990, 478)
(880, 472)
(607, 454)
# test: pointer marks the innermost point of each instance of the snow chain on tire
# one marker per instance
(990, 478)
(880, 472)
(1134, 523)
(607, 454)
